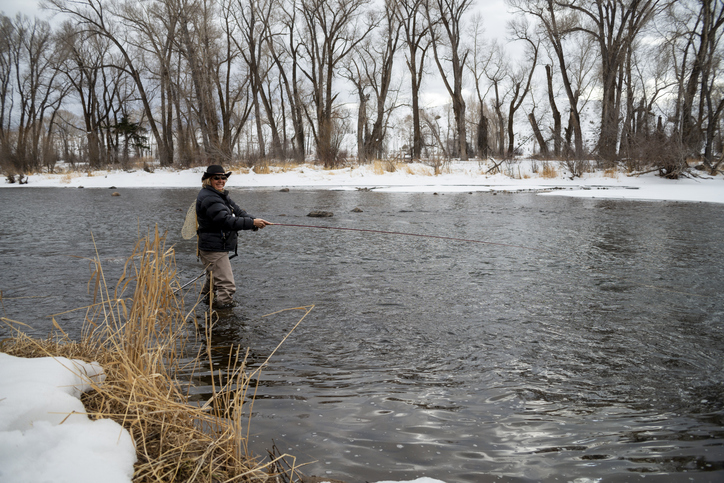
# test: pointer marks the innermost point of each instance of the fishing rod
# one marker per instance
(466, 240)
(201, 275)
(382, 232)
(439, 237)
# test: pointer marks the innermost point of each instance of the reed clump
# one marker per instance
(262, 167)
(139, 333)
(548, 171)
(610, 173)
(66, 178)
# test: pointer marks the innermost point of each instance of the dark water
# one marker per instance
(587, 343)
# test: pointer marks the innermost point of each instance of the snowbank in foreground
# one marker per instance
(44, 432)
(415, 177)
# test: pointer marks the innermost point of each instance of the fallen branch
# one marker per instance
(496, 165)
(643, 172)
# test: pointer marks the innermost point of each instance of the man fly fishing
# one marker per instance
(219, 219)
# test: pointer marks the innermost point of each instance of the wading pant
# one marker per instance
(218, 266)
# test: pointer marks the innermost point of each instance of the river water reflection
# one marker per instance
(586, 341)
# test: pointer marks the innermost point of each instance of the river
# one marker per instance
(582, 339)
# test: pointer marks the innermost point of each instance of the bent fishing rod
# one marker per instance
(448, 238)
(468, 240)
(201, 275)
(382, 232)
(439, 237)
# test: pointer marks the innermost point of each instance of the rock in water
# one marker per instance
(320, 214)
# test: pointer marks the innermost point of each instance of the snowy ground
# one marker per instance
(457, 177)
(44, 435)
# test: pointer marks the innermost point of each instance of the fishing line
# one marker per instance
(468, 240)
(191, 219)
(188, 232)
(439, 237)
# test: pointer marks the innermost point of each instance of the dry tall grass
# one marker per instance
(141, 342)
(68, 177)
(382, 166)
(262, 167)
(416, 169)
(548, 171)
(610, 173)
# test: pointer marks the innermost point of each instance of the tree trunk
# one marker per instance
(538, 135)
(361, 125)
(556, 114)
(482, 136)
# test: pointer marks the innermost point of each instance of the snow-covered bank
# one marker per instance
(45, 434)
(456, 177)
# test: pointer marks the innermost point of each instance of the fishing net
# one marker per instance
(188, 231)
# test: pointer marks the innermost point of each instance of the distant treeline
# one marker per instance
(191, 82)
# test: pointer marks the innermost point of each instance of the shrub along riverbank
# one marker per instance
(140, 333)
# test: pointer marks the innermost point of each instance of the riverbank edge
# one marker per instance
(467, 177)
(483, 173)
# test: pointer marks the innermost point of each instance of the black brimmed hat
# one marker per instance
(214, 169)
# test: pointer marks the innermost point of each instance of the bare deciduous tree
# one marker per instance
(703, 30)
(6, 86)
(254, 20)
(415, 30)
(35, 59)
(615, 25)
(446, 30)
(94, 15)
(557, 124)
(496, 73)
(85, 57)
(332, 30)
(478, 63)
(648, 76)
(284, 48)
(557, 25)
(520, 78)
(370, 69)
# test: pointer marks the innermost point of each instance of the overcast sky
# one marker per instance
(12, 7)
(494, 13)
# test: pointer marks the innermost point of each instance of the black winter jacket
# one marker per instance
(219, 219)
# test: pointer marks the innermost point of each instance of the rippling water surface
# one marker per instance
(586, 340)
